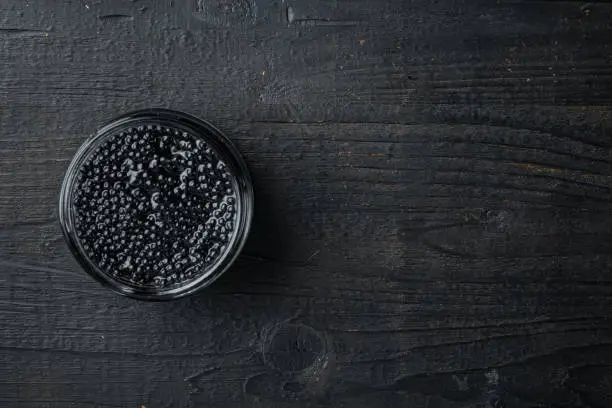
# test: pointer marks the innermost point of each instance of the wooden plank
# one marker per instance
(433, 186)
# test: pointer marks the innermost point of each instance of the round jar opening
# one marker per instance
(157, 204)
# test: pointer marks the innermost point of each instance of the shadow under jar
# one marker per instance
(157, 204)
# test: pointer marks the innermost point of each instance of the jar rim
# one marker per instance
(199, 128)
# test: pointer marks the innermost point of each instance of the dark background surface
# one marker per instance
(433, 203)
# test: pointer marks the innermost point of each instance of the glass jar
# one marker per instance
(157, 204)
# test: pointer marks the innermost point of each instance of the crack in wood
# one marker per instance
(22, 33)
(116, 17)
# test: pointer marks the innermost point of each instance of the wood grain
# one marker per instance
(433, 187)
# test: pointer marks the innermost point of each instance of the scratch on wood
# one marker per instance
(351, 154)
(273, 260)
(321, 22)
(22, 33)
(116, 17)
(537, 168)
(291, 18)
(315, 253)
(202, 373)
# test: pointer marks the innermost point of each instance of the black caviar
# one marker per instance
(154, 206)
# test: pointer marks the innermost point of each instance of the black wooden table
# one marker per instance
(433, 203)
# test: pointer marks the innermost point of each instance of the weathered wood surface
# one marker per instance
(434, 215)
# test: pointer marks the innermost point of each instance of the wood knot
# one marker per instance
(301, 360)
(293, 348)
